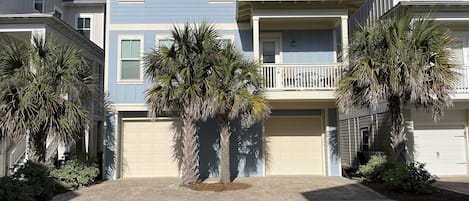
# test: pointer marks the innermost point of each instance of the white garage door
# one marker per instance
(443, 150)
(147, 149)
(294, 145)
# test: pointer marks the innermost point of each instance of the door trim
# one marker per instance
(277, 37)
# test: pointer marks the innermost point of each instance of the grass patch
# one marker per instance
(218, 187)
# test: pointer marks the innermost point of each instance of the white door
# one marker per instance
(147, 149)
(442, 149)
(294, 146)
(270, 50)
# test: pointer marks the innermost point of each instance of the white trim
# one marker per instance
(149, 119)
(292, 13)
(85, 15)
(327, 152)
(106, 44)
(123, 107)
(119, 52)
(165, 27)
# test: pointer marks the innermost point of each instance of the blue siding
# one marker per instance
(312, 46)
(333, 142)
(171, 11)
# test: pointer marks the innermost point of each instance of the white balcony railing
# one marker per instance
(462, 84)
(301, 76)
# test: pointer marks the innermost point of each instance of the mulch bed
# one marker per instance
(218, 187)
(436, 194)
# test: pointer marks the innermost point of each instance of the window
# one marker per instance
(225, 42)
(130, 63)
(268, 52)
(365, 138)
(38, 5)
(165, 43)
(457, 52)
(84, 26)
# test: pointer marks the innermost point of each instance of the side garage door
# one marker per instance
(147, 149)
(294, 145)
(442, 149)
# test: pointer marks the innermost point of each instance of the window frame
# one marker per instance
(362, 136)
(159, 37)
(119, 59)
(227, 37)
(464, 39)
(91, 23)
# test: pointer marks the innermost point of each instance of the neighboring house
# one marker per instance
(442, 145)
(300, 45)
(79, 22)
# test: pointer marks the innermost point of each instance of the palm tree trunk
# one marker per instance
(398, 137)
(37, 147)
(225, 149)
(190, 166)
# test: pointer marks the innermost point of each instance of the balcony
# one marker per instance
(300, 81)
(462, 84)
(290, 77)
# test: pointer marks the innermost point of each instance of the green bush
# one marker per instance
(411, 177)
(76, 172)
(13, 190)
(36, 177)
(375, 168)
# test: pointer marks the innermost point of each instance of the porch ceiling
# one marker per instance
(244, 7)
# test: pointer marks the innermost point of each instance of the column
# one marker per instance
(344, 30)
(255, 37)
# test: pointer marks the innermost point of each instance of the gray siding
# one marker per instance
(351, 140)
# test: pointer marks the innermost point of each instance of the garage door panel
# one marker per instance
(443, 150)
(295, 146)
(147, 149)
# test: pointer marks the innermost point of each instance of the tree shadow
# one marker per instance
(247, 149)
(343, 192)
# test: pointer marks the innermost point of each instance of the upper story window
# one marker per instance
(84, 26)
(38, 5)
(165, 43)
(130, 51)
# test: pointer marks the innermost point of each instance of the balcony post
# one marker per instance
(344, 30)
(279, 77)
(255, 38)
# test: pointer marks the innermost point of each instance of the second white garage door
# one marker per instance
(295, 146)
(147, 149)
(442, 149)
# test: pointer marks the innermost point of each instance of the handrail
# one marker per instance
(17, 151)
(462, 84)
(301, 76)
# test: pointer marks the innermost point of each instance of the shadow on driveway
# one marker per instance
(456, 184)
(306, 188)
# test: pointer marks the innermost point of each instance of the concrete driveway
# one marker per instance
(263, 188)
(456, 184)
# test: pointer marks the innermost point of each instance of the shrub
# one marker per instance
(13, 190)
(375, 168)
(411, 177)
(76, 172)
(37, 180)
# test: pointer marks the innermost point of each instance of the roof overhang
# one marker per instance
(448, 9)
(55, 23)
(245, 8)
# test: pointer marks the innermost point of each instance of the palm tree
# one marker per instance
(403, 61)
(43, 84)
(236, 94)
(179, 75)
